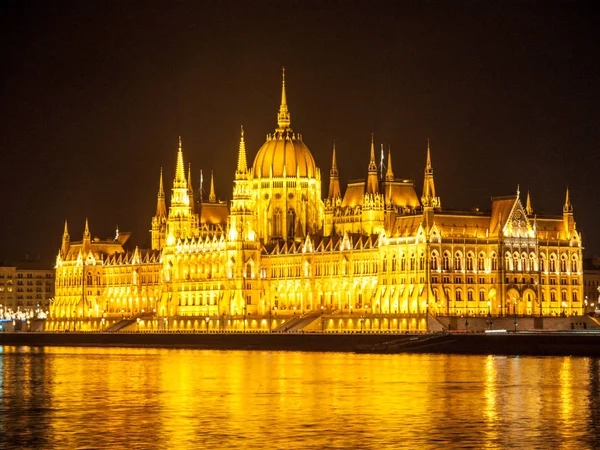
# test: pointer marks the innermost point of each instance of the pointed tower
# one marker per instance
(334, 179)
(180, 181)
(87, 240)
(568, 220)
(66, 241)
(389, 175)
(241, 223)
(212, 198)
(283, 117)
(190, 188)
(158, 230)
(372, 179)
(429, 199)
(181, 220)
(242, 164)
(528, 208)
(161, 205)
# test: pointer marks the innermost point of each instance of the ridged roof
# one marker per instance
(284, 151)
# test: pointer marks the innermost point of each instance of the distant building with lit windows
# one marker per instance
(375, 255)
(27, 285)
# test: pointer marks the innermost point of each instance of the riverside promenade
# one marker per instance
(522, 343)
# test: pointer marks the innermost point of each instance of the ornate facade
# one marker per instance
(374, 255)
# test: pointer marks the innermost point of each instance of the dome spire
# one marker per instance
(283, 118)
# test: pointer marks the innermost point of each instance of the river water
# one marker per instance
(184, 398)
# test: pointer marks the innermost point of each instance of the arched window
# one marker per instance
(421, 261)
(552, 262)
(552, 295)
(402, 262)
(412, 261)
(457, 261)
(575, 297)
(533, 266)
(524, 262)
(470, 295)
(384, 264)
(563, 263)
(394, 263)
(516, 262)
(458, 295)
(89, 278)
(494, 261)
(509, 262)
(434, 261)
(574, 265)
(469, 261)
(446, 261)
(481, 262)
(482, 295)
(543, 265)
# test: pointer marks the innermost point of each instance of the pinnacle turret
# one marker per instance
(161, 206)
(242, 165)
(528, 208)
(389, 175)
(334, 181)
(429, 199)
(180, 181)
(212, 198)
(372, 177)
(567, 207)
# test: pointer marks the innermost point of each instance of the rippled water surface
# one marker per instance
(165, 398)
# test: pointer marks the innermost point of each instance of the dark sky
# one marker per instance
(94, 95)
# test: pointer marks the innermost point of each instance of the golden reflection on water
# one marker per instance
(169, 398)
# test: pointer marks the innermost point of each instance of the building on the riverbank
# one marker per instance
(375, 255)
(26, 285)
(591, 283)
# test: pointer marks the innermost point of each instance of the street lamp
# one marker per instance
(516, 323)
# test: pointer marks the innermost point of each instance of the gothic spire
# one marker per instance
(334, 181)
(180, 181)
(389, 175)
(567, 208)
(372, 177)
(428, 198)
(372, 163)
(86, 232)
(212, 198)
(283, 118)
(66, 231)
(334, 169)
(242, 165)
(528, 208)
(161, 206)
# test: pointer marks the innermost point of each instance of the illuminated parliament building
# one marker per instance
(282, 256)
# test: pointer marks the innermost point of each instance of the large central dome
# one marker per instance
(284, 151)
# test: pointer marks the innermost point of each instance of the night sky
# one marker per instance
(94, 95)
